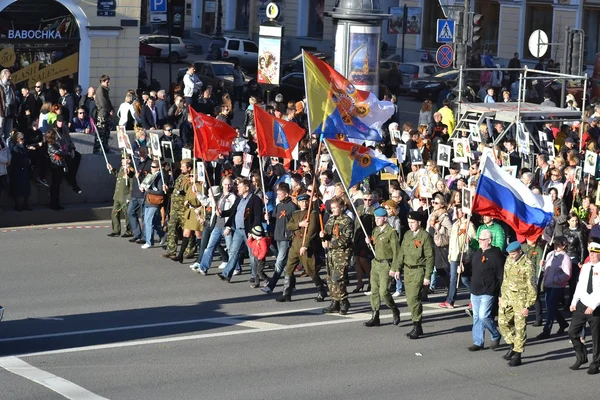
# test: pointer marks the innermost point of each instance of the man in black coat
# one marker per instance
(68, 103)
(486, 279)
(105, 110)
(149, 115)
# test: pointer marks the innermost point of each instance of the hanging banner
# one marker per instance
(26, 73)
(65, 67)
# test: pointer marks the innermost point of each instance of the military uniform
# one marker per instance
(416, 259)
(517, 292)
(120, 199)
(308, 259)
(177, 215)
(339, 232)
(535, 253)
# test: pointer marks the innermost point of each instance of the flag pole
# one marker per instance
(351, 203)
(262, 179)
(99, 141)
(314, 188)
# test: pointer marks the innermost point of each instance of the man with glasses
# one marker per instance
(80, 123)
(498, 235)
(105, 110)
(487, 265)
(176, 142)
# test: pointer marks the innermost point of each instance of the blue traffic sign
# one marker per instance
(158, 6)
(444, 56)
(445, 31)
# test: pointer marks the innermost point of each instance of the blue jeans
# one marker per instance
(552, 311)
(213, 242)
(453, 278)
(433, 279)
(237, 241)
(206, 234)
(399, 285)
(136, 205)
(482, 318)
(151, 224)
(283, 247)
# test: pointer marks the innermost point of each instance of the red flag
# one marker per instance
(211, 136)
(275, 137)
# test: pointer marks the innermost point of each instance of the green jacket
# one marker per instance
(387, 245)
(123, 185)
(498, 236)
(417, 250)
(298, 232)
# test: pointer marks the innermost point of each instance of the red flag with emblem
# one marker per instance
(211, 136)
(275, 137)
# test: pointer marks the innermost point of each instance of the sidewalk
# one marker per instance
(42, 215)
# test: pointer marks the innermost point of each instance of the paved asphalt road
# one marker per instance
(92, 317)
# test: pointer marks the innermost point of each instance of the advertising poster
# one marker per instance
(364, 47)
(269, 64)
(413, 26)
(395, 22)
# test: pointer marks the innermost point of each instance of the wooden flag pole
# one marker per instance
(262, 179)
(314, 188)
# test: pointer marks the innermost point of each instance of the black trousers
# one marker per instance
(578, 321)
(56, 177)
(72, 168)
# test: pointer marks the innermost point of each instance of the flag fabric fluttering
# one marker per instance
(211, 136)
(355, 162)
(336, 106)
(507, 199)
(275, 137)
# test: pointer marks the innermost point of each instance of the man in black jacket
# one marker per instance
(105, 111)
(488, 269)
(68, 103)
(248, 213)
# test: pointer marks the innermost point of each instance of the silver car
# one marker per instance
(179, 49)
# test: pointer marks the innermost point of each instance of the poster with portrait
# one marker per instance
(155, 145)
(121, 133)
(543, 137)
(413, 19)
(167, 151)
(462, 150)
(186, 153)
(475, 134)
(578, 174)
(505, 157)
(522, 139)
(467, 200)
(511, 169)
(396, 21)
(246, 165)
(200, 172)
(416, 157)
(269, 63)
(401, 153)
(364, 44)
(425, 186)
(589, 166)
(443, 155)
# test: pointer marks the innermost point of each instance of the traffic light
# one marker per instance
(475, 33)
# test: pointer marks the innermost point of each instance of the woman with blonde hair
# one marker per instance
(126, 112)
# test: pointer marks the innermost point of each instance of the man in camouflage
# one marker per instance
(517, 294)
(337, 240)
(384, 266)
(299, 254)
(535, 252)
(416, 259)
(121, 198)
(177, 211)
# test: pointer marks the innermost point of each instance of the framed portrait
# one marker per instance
(462, 150)
(467, 200)
(200, 172)
(511, 169)
(186, 153)
(443, 155)
(155, 145)
(167, 150)
(425, 186)
(416, 157)
(475, 135)
(589, 166)
(401, 153)
(246, 165)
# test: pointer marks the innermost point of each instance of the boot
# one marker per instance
(179, 256)
(333, 307)
(515, 361)
(374, 321)
(287, 291)
(416, 332)
(581, 359)
(322, 289)
(396, 314)
(344, 306)
(509, 354)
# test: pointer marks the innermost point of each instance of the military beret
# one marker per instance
(238, 154)
(303, 197)
(414, 216)
(569, 140)
(380, 212)
(513, 246)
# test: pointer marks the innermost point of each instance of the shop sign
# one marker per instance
(25, 73)
(33, 34)
(7, 57)
(106, 8)
(65, 67)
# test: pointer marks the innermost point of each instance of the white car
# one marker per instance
(179, 49)
(413, 70)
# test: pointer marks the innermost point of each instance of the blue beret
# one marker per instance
(380, 212)
(513, 246)
(303, 197)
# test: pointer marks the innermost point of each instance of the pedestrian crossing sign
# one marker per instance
(445, 31)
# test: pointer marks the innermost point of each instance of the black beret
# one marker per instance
(414, 215)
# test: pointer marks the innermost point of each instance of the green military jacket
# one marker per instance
(123, 185)
(339, 232)
(517, 283)
(535, 254)
(387, 246)
(182, 183)
(298, 232)
(417, 250)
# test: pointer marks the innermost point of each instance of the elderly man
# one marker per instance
(162, 108)
(488, 267)
(8, 103)
(517, 295)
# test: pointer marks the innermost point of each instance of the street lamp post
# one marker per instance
(219, 28)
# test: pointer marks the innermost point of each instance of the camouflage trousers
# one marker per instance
(176, 221)
(512, 325)
(337, 265)
(103, 127)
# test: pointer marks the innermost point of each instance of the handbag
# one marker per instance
(155, 199)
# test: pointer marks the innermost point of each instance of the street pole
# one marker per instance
(169, 23)
(404, 23)
(219, 27)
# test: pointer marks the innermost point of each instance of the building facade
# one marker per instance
(71, 41)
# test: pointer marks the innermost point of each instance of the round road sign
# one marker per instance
(444, 56)
(538, 43)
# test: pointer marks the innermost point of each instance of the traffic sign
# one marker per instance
(445, 31)
(158, 6)
(444, 56)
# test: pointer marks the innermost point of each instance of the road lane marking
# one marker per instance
(249, 323)
(365, 317)
(59, 385)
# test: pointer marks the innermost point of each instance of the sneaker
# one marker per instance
(223, 265)
(201, 271)
(368, 293)
(163, 241)
(146, 246)
(396, 294)
(194, 266)
(446, 305)
(236, 272)
(266, 289)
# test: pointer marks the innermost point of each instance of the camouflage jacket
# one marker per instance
(339, 232)
(517, 283)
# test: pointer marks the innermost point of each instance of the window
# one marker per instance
(489, 27)
(233, 45)
(592, 44)
(242, 16)
(431, 13)
(175, 41)
(537, 16)
(250, 47)
(316, 18)
(188, 9)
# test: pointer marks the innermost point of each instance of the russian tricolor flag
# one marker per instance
(505, 198)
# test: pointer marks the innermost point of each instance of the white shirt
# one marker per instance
(581, 294)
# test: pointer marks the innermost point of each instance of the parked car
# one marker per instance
(179, 50)
(296, 64)
(410, 71)
(234, 49)
(430, 87)
(211, 72)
